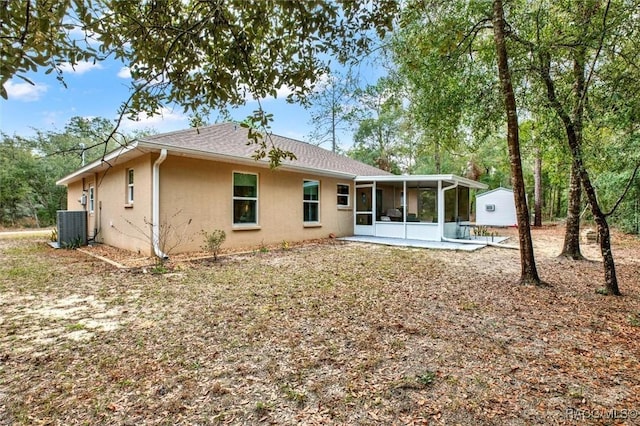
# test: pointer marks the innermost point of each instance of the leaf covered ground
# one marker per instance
(328, 333)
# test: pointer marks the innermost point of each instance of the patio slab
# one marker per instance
(402, 242)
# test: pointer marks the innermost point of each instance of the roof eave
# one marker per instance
(433, 178)
(97, 164)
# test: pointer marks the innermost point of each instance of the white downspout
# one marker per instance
(155, 206)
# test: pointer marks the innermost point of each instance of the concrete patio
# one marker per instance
(402, 242)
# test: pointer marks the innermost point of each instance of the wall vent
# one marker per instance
(72, 228)
(490, 207)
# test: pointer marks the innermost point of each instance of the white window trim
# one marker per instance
(348, 195)
(311, 222)
(130, 186)
(246, 226)
(92, 199)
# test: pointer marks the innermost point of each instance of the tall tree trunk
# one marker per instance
(571, 246)
(610, 278)
(529, 273)
(537, 189)
(551, 203)
(558, 206)
(333, 120)
(574, 135)
(437, 159)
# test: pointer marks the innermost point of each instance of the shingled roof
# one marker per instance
(230, 140)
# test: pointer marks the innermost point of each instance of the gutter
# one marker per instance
(155, 206)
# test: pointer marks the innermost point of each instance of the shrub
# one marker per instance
(213, 241)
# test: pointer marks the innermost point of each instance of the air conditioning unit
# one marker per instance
(72, 228)
(490, 207)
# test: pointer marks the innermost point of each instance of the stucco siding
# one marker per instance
(119, 223)
(74, 192)
(197, 195)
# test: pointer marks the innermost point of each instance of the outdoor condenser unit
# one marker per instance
(72, 228)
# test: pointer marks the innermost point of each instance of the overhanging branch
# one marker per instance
(626, 190)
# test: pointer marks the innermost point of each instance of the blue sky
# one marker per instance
(97, 90)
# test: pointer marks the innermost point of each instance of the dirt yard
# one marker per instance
(323, 333)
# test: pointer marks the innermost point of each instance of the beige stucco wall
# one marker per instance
(74, 194)
(121, 224)
(118, 224)
(196, 195)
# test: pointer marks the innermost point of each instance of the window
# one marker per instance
(91, 199)
(245, 199)
(130, 186)
(311, 200)
(343, 195)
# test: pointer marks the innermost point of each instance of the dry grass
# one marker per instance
(322, 334)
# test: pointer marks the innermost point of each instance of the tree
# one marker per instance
(451, 84)
(37, 34)
(215, 54)
(579, 41)
(529, 273)
(331, 104)
(446, 54)
(199, 54)
(30, 166)
(218, 54)
(15, 162)
(378, 119)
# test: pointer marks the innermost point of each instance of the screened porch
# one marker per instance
(419, 207)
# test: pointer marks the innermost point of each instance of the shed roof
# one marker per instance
(500, 189)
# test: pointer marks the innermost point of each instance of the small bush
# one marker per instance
(427, 378)
(213, 241)
(73, 244)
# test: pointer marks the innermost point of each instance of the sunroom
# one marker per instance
(417, 207)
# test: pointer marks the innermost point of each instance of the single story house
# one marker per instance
(157, 195)
(496, 208)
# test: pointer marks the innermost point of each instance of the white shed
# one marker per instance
(496, 208)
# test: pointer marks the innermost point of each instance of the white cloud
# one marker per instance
(24, 91)
(80, 68)
(282, 92)
(125, 72)
(166, 121)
